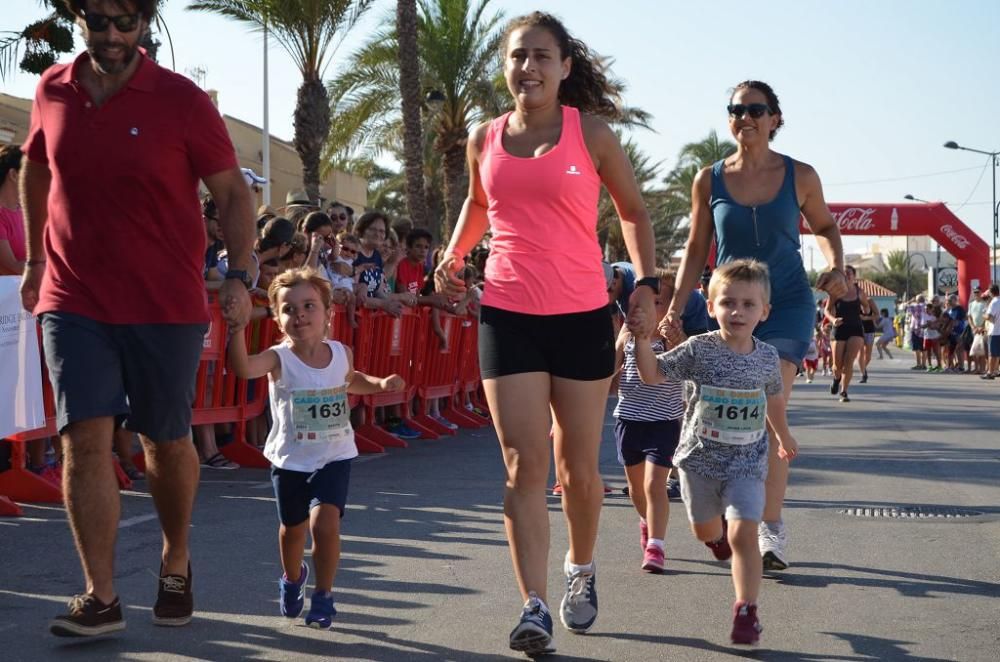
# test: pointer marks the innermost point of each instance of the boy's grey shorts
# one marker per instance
(707, 498)
(143, 373)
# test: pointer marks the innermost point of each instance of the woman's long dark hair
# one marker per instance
(587, 88)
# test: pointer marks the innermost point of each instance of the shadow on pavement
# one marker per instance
(909, 584)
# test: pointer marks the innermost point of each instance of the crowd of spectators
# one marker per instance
(370, 263)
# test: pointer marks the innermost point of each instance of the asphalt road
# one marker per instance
(426, 574)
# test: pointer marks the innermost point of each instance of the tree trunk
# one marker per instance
(454, 177)
(409, 87)
(435, 211)
(312, 125)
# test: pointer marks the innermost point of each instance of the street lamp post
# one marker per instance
(995, 159)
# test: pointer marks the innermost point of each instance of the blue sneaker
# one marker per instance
(290, 593)
(533, 634)
(321, 611)
(403, 431)
(673, 489)
(578, 609)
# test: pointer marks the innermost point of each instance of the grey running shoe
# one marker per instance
(578, 609)
(533, 634)
(772, 540)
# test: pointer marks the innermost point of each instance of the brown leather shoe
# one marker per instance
(88, 617)
(174, 602)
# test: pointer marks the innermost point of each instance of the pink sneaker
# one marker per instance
(652, 560)
(643, 534)
(746, 627)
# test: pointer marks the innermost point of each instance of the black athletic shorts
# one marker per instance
(577, 346)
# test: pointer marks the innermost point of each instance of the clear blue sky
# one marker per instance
(870, 90)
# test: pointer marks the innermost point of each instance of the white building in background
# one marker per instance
(920, 249)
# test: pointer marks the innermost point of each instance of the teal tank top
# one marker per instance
(768, 233)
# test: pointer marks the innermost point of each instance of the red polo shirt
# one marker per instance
(125, 241)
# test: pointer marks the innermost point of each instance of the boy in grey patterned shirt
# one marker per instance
(722, 455)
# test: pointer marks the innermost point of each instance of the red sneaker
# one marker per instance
(746, 627)
(652, 560)
(721, 549)
(643, 534)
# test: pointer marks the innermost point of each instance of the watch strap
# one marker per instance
(652, 282)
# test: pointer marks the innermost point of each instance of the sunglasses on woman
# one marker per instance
(100, 22)
(756, 110)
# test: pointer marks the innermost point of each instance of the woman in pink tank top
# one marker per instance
(546, 338)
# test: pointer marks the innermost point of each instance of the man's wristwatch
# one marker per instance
(240, 275)
(652, 282)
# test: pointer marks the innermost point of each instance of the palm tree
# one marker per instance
(409, 90)
(309, 31)
(692, 158)
(609, 231)
(458, 42)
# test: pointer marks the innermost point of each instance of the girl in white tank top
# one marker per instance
(309, 378)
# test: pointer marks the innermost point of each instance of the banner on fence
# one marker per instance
(21, 406)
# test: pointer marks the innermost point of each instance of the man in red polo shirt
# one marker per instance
(116, 148)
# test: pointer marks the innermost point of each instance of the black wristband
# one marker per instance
(652, 282)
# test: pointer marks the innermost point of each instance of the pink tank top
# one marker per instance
(544, 256)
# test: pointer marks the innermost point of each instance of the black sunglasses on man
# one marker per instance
(101, 22)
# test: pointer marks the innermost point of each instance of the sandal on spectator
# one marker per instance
(219, 461)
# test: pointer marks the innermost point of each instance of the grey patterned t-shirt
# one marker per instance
(724, 434)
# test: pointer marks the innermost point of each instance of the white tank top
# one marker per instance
(312, 425)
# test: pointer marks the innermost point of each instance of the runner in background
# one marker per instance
(887, 334)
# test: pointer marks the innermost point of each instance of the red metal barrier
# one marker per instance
(251, 397)
(17, 482)
(470, 382)
(340, 327)
(220, 397)
(382, 345)
(9, 509)
(439, 370)
(385, 345)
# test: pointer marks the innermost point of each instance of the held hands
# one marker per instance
(638, 324)
(446, 280)
(641, 318)
(235, 301)
(833, 283)
(837, 321)
(788, 448)
(392, 383)
(671, 329)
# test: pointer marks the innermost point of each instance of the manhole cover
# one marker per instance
(910, 512)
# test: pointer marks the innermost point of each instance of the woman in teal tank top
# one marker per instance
(750, 204)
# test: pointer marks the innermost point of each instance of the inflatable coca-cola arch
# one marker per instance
(933, 219)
